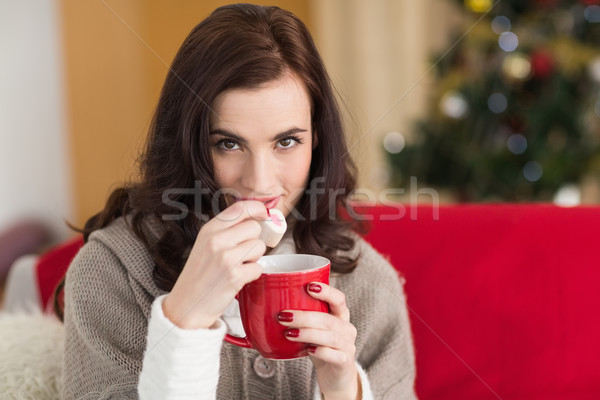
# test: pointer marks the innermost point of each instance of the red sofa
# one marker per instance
(504, 299)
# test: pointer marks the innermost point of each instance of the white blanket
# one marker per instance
(31, 348)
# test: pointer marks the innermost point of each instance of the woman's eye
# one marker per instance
(227, 144)
(289, 142)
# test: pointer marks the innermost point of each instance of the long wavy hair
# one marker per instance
(237, 46)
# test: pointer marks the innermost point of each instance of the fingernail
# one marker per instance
(314, 287)
(285, 316)
(292, 332)
(311, 349)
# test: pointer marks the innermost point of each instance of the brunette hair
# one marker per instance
(237, 46)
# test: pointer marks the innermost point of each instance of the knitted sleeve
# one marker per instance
(105, 329)
(379, 312)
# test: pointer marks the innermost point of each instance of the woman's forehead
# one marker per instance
(274, 106)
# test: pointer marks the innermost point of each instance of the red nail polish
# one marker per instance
(285, 316)
(311, 349)
(294, 333)
(314, 287)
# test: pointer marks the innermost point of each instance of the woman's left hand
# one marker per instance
(332, 338)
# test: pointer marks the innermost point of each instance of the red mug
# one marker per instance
(282, 286)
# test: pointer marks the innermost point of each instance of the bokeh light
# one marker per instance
(592, 13)
(479, 5)
(394, 142)
(508, 41)
(517, 143)
(454, 105)
(568, 195)
(497, 103)
(501, 24)
(594, 69)
(532, 171)
(517, 66)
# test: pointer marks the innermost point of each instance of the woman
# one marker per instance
(246, 121)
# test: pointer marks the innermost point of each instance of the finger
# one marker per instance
(247, 273)
(248, 251)
(241, 210)
(242, 265)
(311, 319)
(328, 355)
(233, 263)
(224, 240)
(334, 297)
(334, 339)
(246, 230)
(236, 277)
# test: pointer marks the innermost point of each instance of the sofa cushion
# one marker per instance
(503, 299)
(52, 267)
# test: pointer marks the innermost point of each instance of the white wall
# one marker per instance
(34, 178)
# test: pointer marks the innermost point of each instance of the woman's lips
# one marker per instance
(269, 202)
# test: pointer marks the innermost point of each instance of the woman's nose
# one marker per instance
(259, 176)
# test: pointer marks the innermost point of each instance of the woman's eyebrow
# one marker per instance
(289, 132)
(240, 139)
(228, 134)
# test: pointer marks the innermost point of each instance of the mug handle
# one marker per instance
(238, 341)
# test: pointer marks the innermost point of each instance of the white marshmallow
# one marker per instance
(272, 232)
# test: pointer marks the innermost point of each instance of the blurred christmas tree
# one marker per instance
(516, 112)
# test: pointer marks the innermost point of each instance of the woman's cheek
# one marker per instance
(226, 170)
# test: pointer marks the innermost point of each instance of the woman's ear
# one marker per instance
(315, 140)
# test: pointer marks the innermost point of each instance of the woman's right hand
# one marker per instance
(223, 259)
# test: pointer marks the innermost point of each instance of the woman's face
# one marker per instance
(261, 141)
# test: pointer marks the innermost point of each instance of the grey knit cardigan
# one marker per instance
(108, 296)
